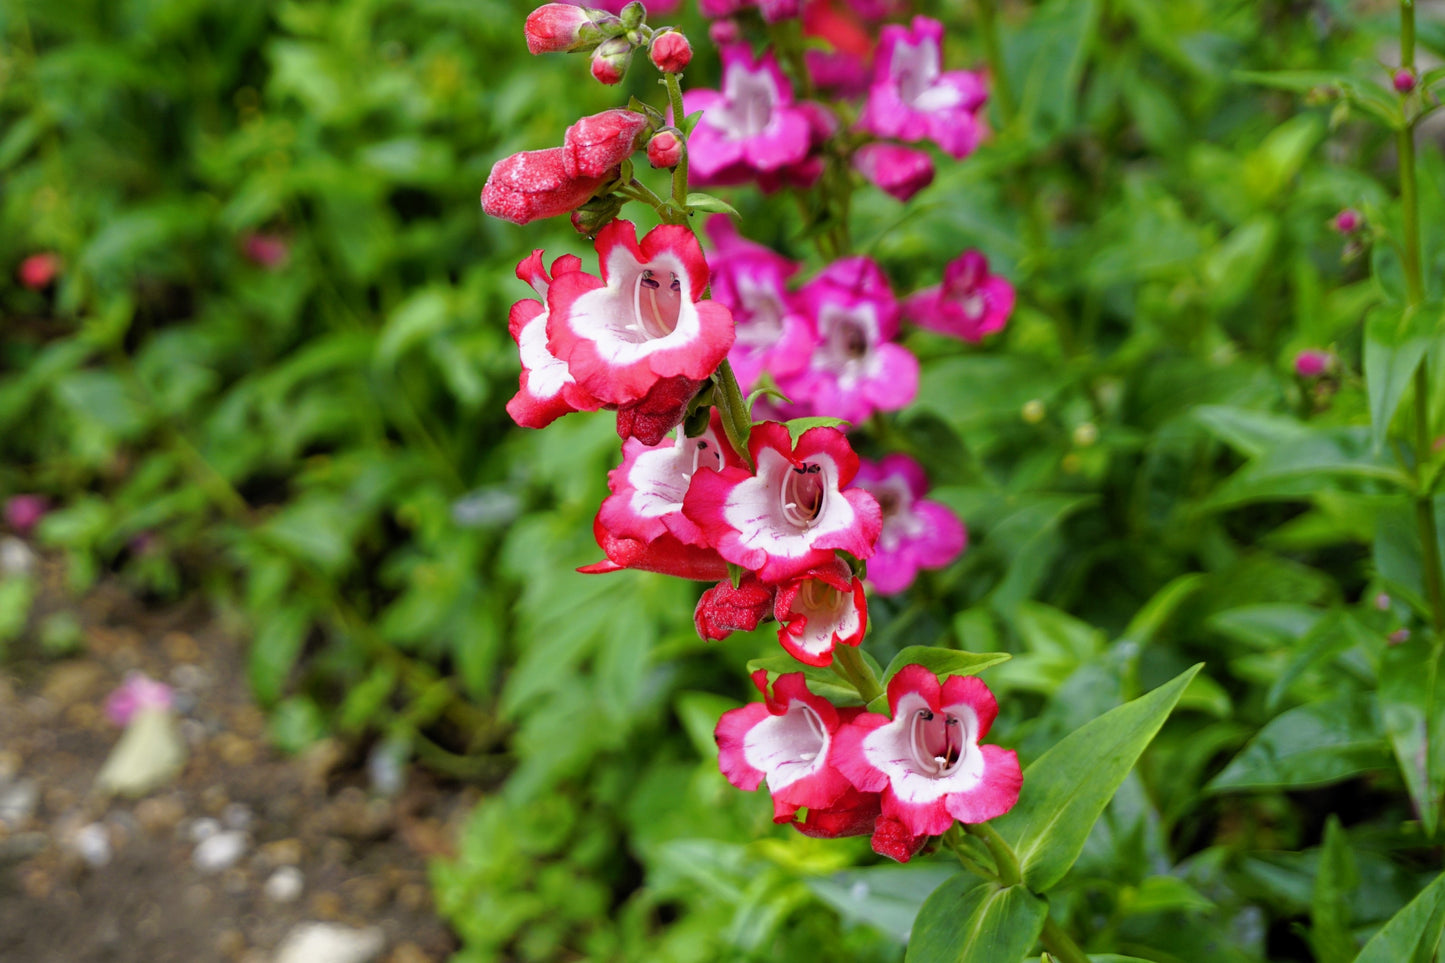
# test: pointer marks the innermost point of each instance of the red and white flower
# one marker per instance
(787, 740)
(927, 761)
(821, 609)
(547, 389)
(644, 320)
(792, 514)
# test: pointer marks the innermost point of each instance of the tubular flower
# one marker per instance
(750, 126)
(535, 184)
(916, 534)
(596, 144)
(913, 99)
(643, 321)
(547, 390)
(793, 513)
(561, 28)
(787, 739)
(772, 335)
(856, 368)
(969, 304)
(899, 171)
(664, 554)
(926, 760)
(819, 610)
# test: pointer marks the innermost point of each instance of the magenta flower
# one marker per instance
(752, 280)
(819, 610)
(793, 513)
(643, 321)
(916, 534)
(899, 171)
(269, 251)
(969, 304)
(1313, 363)
(749, 127)
(856, 369)
(913, 99)
(138, 691)
(926, 760)
(787, 740)
(547, 389)
(24, 512)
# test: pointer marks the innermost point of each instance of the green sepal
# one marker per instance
(698, 201)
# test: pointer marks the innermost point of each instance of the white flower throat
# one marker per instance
(804, 494)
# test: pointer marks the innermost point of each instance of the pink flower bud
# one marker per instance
(138, 691)
(1382, 602)
(610, 59)
(23, 512)
(269, 251)
(595, 145)
(665, 149)
(723, 609)
(534, 184)
(560, 28)
(724, 33)
(1347, 221)
(1403, 81)
(670, 52)
(901, 171)
(1312, 363)
(1398, 637)
(38, 270)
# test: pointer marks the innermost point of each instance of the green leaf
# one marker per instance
(797, 426)
(1067, 787)
(280, 635)
(1412, 708)
(1395, 341)
(699, 712)
(1296, 469)
(1310, 745)
(966, 921)
(823, 682)
(417, 318)
(1412, 934)
(1329, 904)
(1249, 432)
(698, 201)
(941, 662)
(885, 897)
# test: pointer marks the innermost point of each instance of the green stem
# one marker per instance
(737, 419)
(1060, 945)
(953, 839)
(679, 173)
(1004, 856)
(848, 663)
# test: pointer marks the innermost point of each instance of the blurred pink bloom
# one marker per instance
(23, 512)
(138, 691)
(1347, 221)
(38, 270)
(1403, 81)
(899, 171)
(917, 534)
(969, 304)
(1312, 363)
(269, 251)
(748, 127)
(913, 99)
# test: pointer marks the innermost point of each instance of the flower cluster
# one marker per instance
(785, 519)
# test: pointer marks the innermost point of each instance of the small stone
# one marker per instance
(230, 944)
(327, 905)
(219, 852)
(37, 883)
(92, 844)
(330, 943)
(413, 896)
(203, 829)
(180, 647)
(190, 677)
(160, 815)
(367, 893)
(285, 885)
(16, 558)
(237, 816)
(20, 847)
(234, 750)
(409, 953)
(83, 715)
(318, 761)
(282, 852)
(72, 682)
(9, 763)
(17, 803)
(214, 799)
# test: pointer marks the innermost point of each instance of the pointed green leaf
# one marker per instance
(1067, 787)
(1329, 904)
(797, 426)
(1412, 708)
(966, 921)
(1395, 341)
(698, 201)
(941, 662)
(1412, 934)
(1310, 745)
(821, 681)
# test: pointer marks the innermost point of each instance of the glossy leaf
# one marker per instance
(1413, 934)
(1395, 341)
(966, 921)
(1310, 745)
(1412, 709)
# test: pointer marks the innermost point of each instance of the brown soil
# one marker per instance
(363, 856)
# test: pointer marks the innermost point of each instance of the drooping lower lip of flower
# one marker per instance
(819, 610)
(546, 389)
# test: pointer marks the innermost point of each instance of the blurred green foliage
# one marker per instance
(320, 444)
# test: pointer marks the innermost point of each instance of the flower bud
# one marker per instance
(670, 52)
(561, 28)
(1347, 221)
(38, 270)
(269, 251)
(1032, 412)
(534, 184)
(610, 59)
(23, 512)
(665, 149)
(633, 15)
(593, 216)
(899, 171)
(1398, 637)
(724, 33)
(1403, 81)
(1086, 434)
(595, 145)
(1312, 363)
(1382, 602)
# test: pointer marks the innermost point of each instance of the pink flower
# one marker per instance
(595, 145)
(24, 512)
(856, 369)
(750, 126)
(38, 270)
(643, 321)
(670, 52)
(927, 761)
(610, 60)
(664, 554)
(547, 389)
(1347, 221)
(772, 10)
(914, 99)
(787, 740)
(535, 184)
(665, 149)
(269, 251)
(969, 304)
(772, 335)
(1312, 363)
(916, 534)
(793, 513)
(137, 692)
(900, 171)
(1403, 81)
(819, 610)
(723, 609)
(560, 28)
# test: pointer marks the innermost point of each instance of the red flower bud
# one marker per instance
(665, 149)
(1312, 363)
(650, 418)
(723, 609)
(38, 270)
(610, 59)
(265, 250)
(24, 512)
(597, 144)
(560, 28)
(1403, 81)
(1348, 221)
(670, 52)
(535, 184)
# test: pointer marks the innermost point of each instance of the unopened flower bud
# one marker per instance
(665, 149)
(1403, 81)
(1312, 363)
(610, 59)
(38, 270)
(1085, 434)
(633, 15)
(561, 28)
(724, 32)
(670, 52)
(593, 216)
(1398, 636)
(534, 184)
(1382, 602)
(1033, 412)
(596, 144)
(1347, 221)
(23, 512)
